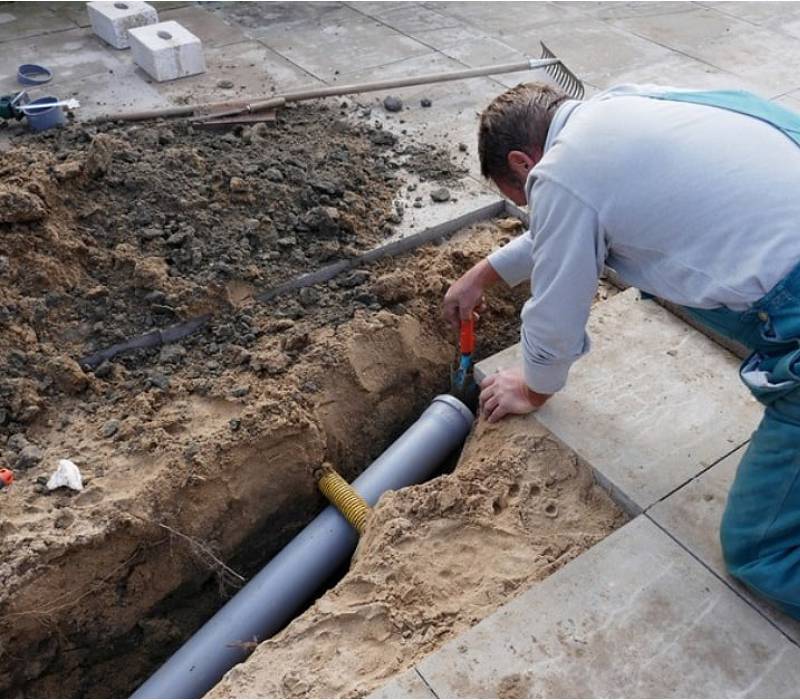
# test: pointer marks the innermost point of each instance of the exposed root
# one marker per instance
(226, 576)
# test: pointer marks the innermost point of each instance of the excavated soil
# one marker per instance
(434, 560)
(197, 456)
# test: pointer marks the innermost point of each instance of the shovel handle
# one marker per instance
(467, 337)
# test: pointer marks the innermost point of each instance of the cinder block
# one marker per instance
(112, 20)
(167, 51)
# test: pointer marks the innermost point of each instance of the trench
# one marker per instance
(124, 621)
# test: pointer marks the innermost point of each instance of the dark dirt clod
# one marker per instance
(392, 104)
(29, 456)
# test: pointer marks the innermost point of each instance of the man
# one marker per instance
(693, 197)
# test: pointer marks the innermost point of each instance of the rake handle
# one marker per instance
(236, 107)
(337, 90)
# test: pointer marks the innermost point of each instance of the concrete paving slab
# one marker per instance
(377, 9)
(258, 17)
(71, 54)
(98, 95)
(74, 11)
(480, 49)
(678, 70)
(692, 516)
(792, 101)
(413, 19)
(765, 57)
(405, 685)
(210, 28)
(635, 616)
(620, 10)
(772, 15)
(653, 404)
(254, 70)
(595, 51)
(19, 20)
(342, 42)
(500, 20)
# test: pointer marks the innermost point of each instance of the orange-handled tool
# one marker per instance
(462, 384)
(467, 337)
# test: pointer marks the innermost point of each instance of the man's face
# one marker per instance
(513, 188)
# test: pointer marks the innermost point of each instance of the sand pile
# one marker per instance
(436, 559)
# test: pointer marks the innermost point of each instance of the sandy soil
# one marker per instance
(434, 560)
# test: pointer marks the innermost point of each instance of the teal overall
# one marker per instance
(760, 530)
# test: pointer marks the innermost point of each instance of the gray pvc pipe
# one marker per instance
(288, 582)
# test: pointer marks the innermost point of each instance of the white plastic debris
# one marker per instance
(67, 475)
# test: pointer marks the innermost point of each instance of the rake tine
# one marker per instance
(563, 76)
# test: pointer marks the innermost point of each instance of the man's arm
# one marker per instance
(569, 253)
(512, 263)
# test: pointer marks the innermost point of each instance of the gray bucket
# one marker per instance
(46, 117)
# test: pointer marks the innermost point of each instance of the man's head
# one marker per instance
(512, 132)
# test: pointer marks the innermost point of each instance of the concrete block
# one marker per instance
(167, 51)
(111, 21)
(653, 404)
(635, 616)
(692, 516)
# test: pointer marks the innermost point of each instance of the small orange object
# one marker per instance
(467, 339)
(6, 478)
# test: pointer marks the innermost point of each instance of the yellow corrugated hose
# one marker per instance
(344, 497)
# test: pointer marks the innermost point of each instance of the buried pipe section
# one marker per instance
(276, 594)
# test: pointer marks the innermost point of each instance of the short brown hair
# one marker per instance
(516, 120)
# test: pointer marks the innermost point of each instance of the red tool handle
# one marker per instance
(6, 477)
(467, 339)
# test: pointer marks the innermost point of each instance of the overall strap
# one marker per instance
(742, 102)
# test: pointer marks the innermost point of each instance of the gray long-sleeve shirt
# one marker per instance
(694, 204)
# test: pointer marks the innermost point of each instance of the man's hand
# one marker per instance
(466, 293)
(506, 392)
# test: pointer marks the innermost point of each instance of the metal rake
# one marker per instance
(562, 75)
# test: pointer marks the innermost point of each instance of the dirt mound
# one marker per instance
(434, 560)
(110, 231)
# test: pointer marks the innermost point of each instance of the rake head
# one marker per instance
(562, 75)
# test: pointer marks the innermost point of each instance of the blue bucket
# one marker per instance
(45, 118)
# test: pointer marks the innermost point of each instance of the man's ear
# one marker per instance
(520, 163)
